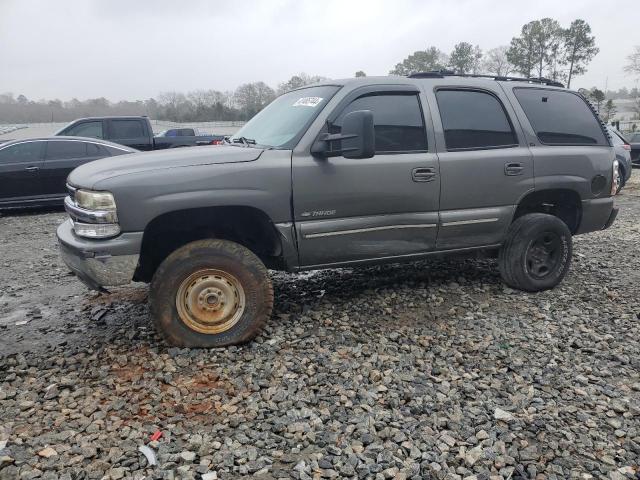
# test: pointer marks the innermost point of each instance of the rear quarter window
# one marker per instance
(560, 117)
(127, 129)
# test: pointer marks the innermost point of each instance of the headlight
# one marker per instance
(95, 200)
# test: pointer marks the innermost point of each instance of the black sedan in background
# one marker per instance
(33, 172)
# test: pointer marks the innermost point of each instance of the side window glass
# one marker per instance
(559, 117)
(116, 151)
(474, 120)
(126, 129)
(398, 122)
(60, 150)
(86, 129)
(21, 153)
(95, 150)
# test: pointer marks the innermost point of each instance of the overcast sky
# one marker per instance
(134, 49)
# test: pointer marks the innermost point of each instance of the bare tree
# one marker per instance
(497, 63)
(298, 81)
(633, 59)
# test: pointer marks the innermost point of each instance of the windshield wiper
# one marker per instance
(244, 140)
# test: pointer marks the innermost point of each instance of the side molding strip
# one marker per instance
(469, 222)
(372, 229)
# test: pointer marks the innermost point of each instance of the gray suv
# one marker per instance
(348, 172)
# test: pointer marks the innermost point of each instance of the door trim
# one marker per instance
(370, 229)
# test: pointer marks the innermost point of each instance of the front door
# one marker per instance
(486, 166)
(20, 165)
(348, 210)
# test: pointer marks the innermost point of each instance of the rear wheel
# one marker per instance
(211, 293)
(536, 253)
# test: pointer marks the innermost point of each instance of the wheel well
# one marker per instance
(562, 203)
(247, 226)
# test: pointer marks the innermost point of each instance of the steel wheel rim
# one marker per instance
(210, 301)
(544, 255)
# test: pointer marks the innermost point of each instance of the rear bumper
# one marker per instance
(597, 214)
(100, 263)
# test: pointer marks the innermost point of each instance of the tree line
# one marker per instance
(544, 49)
(196, 106)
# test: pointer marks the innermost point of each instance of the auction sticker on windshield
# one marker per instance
(307, 102)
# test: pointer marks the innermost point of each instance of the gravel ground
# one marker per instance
(430, 370)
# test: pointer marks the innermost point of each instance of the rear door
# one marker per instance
(131, 132)
(20, 165)
(568, 142)
(61, 157)
(485, 164)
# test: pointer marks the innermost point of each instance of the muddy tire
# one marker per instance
(210, 293)
(536, 254)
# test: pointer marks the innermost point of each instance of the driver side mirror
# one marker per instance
(357, 139)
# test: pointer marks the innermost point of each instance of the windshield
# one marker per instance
(281, 123)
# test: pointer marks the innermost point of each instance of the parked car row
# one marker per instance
(136, 132)
(33, 172)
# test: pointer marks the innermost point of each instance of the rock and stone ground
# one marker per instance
(429, 370)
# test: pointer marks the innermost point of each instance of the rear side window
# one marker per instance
(560, 118)
(21, 153)
(116, 151)
(86, 129)
(397, 120)
(95, 150)
(474, 120)
(59, 150)
(126, 129)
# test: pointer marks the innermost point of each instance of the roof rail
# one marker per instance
(501, 78)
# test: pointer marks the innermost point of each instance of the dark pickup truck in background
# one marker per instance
(135, 132)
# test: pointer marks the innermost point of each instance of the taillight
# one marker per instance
(216, 142)
(615, 177)
(626, 146)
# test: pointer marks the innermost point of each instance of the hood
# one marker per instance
(87, 175)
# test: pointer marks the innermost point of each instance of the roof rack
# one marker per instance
(501, 78)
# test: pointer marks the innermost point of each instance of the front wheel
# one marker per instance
(210, 293)
(536, 253)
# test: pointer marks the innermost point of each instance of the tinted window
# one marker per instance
(95, 150)
(560, 118)
(57, 150)
(127, 129)
(21, 153)
(397, 121)
(474, 120)
(86, 129)
(116, 151)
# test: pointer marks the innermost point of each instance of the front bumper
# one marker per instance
(100, 263)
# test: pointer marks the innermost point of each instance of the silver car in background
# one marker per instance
(623, 155)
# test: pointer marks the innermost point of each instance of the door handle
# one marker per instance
(32, 169)
(512, 169)
(423, 174)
